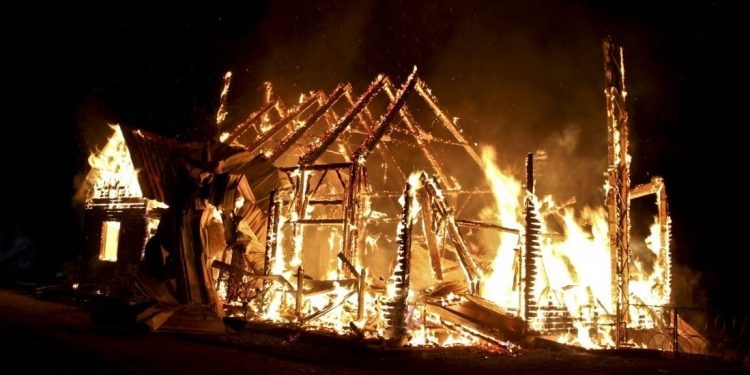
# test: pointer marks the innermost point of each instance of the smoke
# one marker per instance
(574, 165)
(521, 78)
(299, 47)
(518, 75)
(687, 287)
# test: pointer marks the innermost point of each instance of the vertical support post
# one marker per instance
(272, 232)
(428, 228)
(618, 185)
(664, 257)
(395, 309)
(298, 226)
(676, 332)
(532, 248)
(362, 291)
(350, 214)
(298, 292)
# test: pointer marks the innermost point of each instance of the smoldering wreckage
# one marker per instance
(369, 217)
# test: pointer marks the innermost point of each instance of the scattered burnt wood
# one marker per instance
(491, 321)
(550, 344)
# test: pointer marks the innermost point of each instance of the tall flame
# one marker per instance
(573, 274)
(112, 172)
(506, 191)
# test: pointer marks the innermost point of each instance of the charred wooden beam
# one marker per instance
(426, 93)
(532, 254)
(300, 202)
(494, 316)
(559, 207)
(278, 278)
(377, 134)
(412, 126)
(327, 309)
(298, 295)
(482, 225)
(664, 258)
(428, 227)
(312, 287)
(282, 280)
(487, 320)
(466, 262)
(296, 134)
(654, 187)
(272, 231)
(351, 212)
(226, 267)
(348, 264)
(318, 167)
(618, 184)
(291, 115)
(369, 123)
(395, 309)
(319, 221)
(307, 195)
(329, 136)
(267, 91)
(242, 127)
(362, 290)
(335, 202)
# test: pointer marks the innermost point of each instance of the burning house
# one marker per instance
(117, 217)
(372, 214)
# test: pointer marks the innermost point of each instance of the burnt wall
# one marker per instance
(105, 276)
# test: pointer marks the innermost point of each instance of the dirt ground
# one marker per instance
(40, 332)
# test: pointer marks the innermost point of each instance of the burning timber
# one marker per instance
(368, 215)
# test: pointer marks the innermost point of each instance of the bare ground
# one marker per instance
(44, 333)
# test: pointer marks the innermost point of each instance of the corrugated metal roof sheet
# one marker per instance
(149, 152)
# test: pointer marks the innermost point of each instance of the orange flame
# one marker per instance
(112, 172)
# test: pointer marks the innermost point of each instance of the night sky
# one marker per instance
(522, 78)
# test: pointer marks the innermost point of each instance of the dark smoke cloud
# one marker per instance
(520, 78)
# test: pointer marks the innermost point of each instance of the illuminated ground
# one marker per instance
(49, 333)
